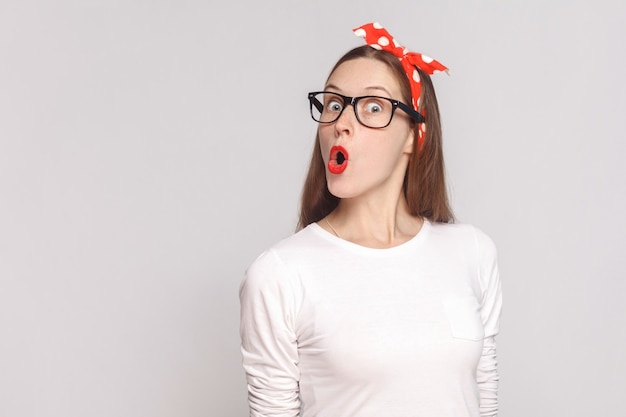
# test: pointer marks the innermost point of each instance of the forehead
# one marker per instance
(362, 76)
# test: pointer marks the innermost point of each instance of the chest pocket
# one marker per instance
(463, 313)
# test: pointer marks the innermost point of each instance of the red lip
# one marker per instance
(338, 161)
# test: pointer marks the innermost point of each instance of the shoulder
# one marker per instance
(277, 266)
(462, 232)
(466, 238)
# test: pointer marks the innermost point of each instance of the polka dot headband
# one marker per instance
(378, 38)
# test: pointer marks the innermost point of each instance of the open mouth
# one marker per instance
(338, 161)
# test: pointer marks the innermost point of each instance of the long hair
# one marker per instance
(424, 181)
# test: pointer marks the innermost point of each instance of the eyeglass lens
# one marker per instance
(370, 111)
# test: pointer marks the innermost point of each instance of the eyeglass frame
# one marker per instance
(347, 100)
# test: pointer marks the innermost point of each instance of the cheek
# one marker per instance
(325, 142)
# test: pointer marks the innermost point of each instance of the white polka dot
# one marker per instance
(426, 59)
(376, 46)
(424, 127)
(377, 25)
(360, 32)
(419, 100)
(416, 76)
(436, 71)
(383, 40)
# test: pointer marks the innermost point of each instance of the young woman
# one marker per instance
(378, 306)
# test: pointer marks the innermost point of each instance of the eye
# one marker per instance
(334, 105)
(373, 106)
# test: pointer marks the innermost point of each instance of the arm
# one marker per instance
(268, 339)
(491, 306)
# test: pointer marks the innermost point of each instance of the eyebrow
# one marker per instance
(374, 87)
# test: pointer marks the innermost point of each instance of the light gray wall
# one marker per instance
(149, 150)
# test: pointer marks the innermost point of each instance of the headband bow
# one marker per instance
(378, 38)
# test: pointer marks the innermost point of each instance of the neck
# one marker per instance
(374, 225)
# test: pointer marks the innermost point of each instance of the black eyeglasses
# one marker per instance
(371, 111)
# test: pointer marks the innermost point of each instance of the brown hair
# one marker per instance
(424, 181)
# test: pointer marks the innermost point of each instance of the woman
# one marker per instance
(378, 306)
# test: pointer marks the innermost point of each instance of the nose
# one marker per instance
(347, 120)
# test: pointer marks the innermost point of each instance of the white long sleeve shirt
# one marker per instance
(333, 329)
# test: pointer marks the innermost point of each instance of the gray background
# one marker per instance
(150, 150)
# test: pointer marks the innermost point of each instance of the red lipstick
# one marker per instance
(338, 161)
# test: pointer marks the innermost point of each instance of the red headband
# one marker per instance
(378, 38)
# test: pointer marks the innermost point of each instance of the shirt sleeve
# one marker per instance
(491, 306)
(268, 339)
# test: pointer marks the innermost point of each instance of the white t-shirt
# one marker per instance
(333, 329)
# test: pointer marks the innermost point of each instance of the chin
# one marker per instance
(341, 190)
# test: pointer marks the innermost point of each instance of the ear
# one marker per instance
(409, 144)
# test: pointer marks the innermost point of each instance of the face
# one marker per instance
(362, 161)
